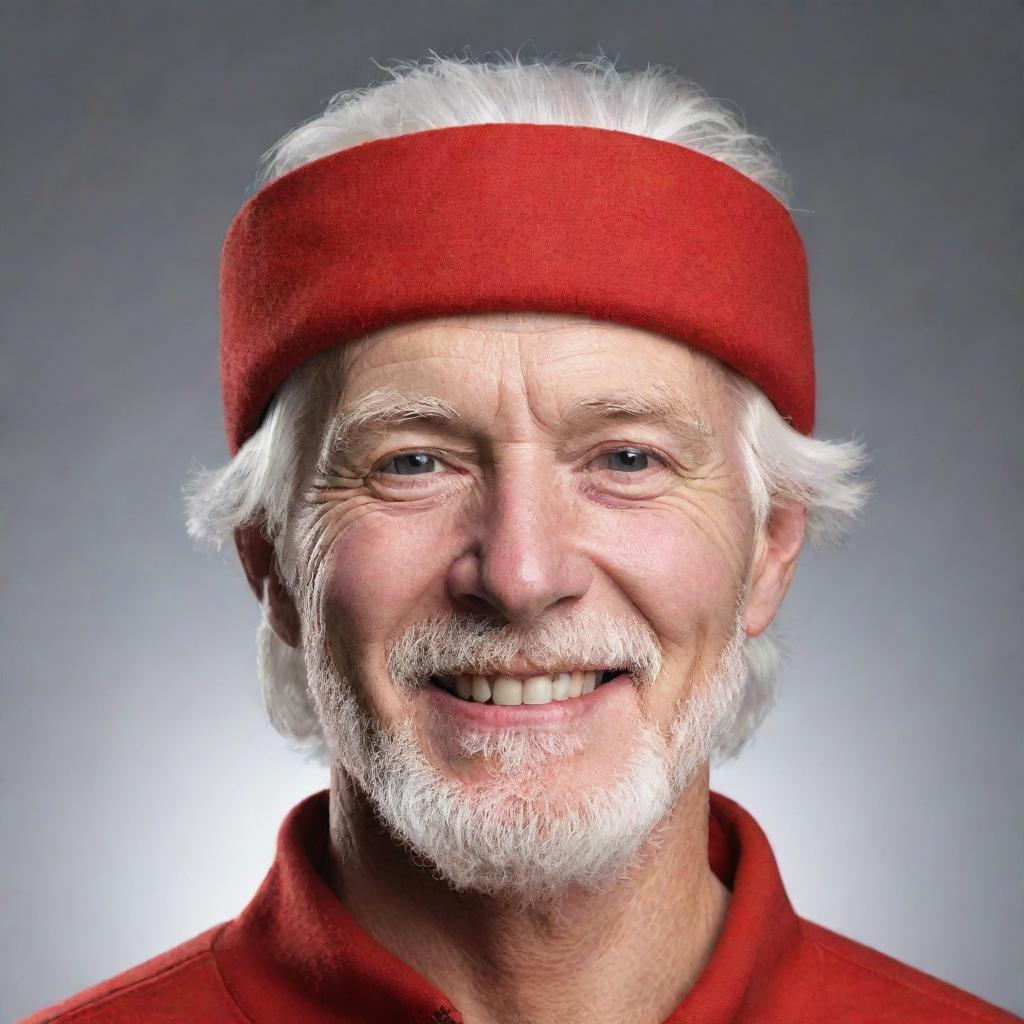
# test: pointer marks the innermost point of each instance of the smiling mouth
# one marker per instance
(510, 691)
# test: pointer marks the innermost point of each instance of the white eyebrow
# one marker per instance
(375, 413)
(675, 411)
(382, 409)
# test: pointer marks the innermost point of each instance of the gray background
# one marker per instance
(141, 786)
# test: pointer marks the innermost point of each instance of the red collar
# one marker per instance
(295, 954)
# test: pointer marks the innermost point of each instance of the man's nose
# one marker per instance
(525, 556)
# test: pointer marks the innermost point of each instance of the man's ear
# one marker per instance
(261, 570)
(774, 564)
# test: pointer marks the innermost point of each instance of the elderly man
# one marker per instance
(519, 391)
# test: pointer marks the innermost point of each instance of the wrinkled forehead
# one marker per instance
(553, 358)
(532, 378)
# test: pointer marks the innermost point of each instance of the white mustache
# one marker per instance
(449, 645)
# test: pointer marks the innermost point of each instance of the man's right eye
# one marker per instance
(409, 464)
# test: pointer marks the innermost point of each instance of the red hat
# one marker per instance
(505, 217)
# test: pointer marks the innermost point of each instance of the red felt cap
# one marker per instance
(504, 217)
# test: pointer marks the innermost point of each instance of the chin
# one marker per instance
(529, 816)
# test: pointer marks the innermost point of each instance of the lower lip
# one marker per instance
(497, 716)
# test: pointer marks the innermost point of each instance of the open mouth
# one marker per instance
(510, 691)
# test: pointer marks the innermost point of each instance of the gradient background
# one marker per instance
(142, 787)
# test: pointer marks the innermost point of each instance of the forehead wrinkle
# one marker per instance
(526, 323)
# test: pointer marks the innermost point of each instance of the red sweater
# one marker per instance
(295, 956)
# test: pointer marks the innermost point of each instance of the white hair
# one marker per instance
(260, 484)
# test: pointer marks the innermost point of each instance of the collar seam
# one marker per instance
(228, 991)
(158, 977)
(937, 997)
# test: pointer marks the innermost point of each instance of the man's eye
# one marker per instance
(627, 460)
(410, 464)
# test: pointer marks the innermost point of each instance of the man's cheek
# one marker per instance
(676, 575)
(383, 573)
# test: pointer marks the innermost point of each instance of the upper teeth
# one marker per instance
(510, 690)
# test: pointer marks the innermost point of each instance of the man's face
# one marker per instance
(580, 486)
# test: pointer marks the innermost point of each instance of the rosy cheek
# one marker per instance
(381, 569)
(674, 574)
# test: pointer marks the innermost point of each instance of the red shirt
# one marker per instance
(295, 956)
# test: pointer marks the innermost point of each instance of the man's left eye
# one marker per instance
(627, 460)
(410, 464)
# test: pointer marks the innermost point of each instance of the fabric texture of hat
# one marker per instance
(504, 217)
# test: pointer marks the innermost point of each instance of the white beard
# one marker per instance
(507, 838)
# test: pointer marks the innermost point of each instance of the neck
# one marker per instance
(629, 953)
